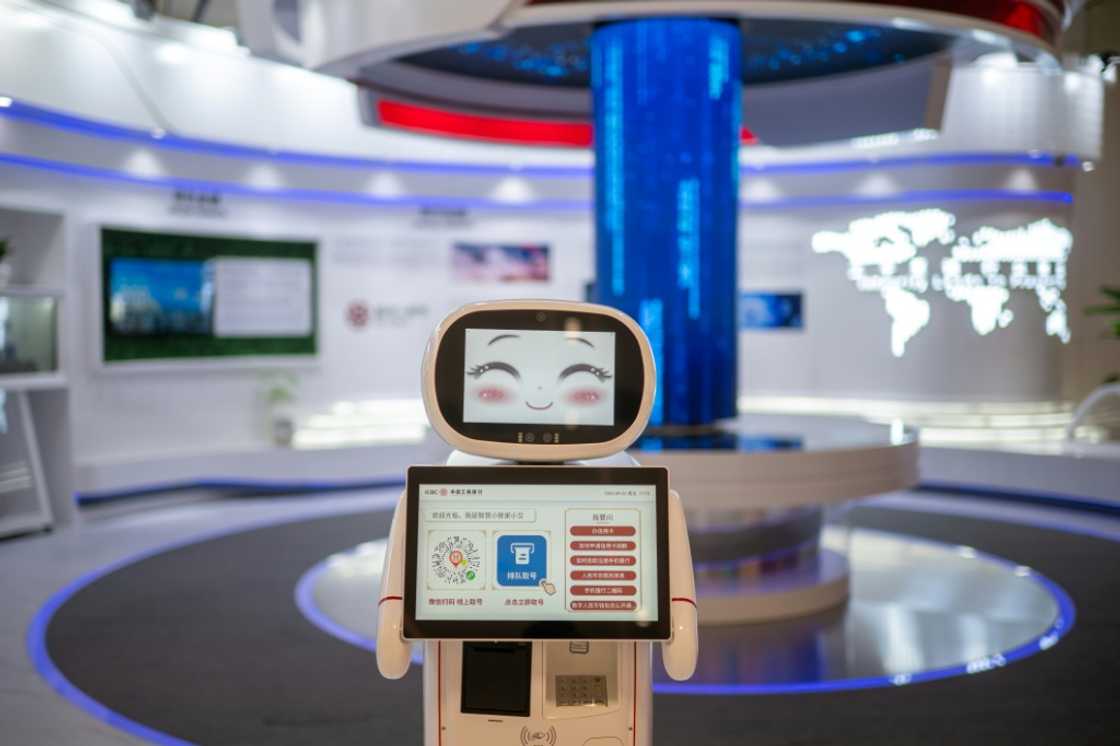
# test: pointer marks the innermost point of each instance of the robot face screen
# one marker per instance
(543, 377)
(540, 376)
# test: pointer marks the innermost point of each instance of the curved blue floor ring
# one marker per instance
(1061, 626)
(40, 657)
(37, 629)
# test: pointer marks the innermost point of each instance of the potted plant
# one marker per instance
(1111, 384)
(1109, 308)
(279, 391)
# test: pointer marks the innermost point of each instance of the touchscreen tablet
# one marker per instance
(537, 552)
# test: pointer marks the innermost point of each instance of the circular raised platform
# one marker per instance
(784, 461)
(757, 495)
(986, 611)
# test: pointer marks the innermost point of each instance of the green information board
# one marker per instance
(172, 296)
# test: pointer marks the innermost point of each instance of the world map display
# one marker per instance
(889, 253)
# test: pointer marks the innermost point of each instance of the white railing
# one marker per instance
(1101, 393)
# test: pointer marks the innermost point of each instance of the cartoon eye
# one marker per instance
(584, 397)
(492, 394)
(478, 370)
(599, 373)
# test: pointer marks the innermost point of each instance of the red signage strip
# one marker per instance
(478, 127)
(450, 123)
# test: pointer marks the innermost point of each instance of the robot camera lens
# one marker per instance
(541, 315)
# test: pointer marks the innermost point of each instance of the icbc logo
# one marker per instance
(357, 314)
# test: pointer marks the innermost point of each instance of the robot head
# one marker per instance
(538, 380)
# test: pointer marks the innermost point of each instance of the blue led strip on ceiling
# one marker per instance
(162, 139)
(40, 116)
(574, 205)
(667, 106)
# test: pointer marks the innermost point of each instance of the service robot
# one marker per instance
(537, 571)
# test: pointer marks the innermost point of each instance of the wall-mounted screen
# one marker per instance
(495, 262)
(763, 310)
(541, 377)
(172, 296)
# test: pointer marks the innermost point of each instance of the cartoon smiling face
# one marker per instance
(522, 376)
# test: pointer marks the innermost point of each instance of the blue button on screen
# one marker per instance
(522, 560)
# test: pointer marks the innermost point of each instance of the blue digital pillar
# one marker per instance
(667, 128)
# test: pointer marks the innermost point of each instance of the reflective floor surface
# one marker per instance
(918, 610)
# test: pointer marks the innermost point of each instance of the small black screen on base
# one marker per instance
(496, 678)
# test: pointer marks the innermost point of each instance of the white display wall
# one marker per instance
(845, 348)
(386, 230)
(396, 266)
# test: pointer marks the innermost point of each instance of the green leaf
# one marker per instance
(1099, 310)
(1111, 292)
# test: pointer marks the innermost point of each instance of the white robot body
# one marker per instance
(595, 692)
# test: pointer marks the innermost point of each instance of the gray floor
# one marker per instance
(36, 567)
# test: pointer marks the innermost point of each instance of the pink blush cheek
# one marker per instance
(492, 394)
(584, 397)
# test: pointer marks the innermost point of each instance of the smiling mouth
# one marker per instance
(539, 409)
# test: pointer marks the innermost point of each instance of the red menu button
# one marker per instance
(603, 531)
(604, 559)
(603, 605)
(603, 590)
(604, 546)
(603, 575)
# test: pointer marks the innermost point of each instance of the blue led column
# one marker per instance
(667, 123)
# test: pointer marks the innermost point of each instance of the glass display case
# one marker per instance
(29, 347)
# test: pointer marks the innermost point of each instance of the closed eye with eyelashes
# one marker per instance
(599, 373)
(478, 370)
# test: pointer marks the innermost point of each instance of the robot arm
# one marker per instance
(393, 651)
(679, 652)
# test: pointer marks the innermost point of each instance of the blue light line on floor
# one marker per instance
(1062, 624)
(271, 487)
(44, 665)
(305, 602)
(1047, 499)
(930, 197)
(37, 631)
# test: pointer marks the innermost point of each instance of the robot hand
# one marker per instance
(679, 652)
(393, 651)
